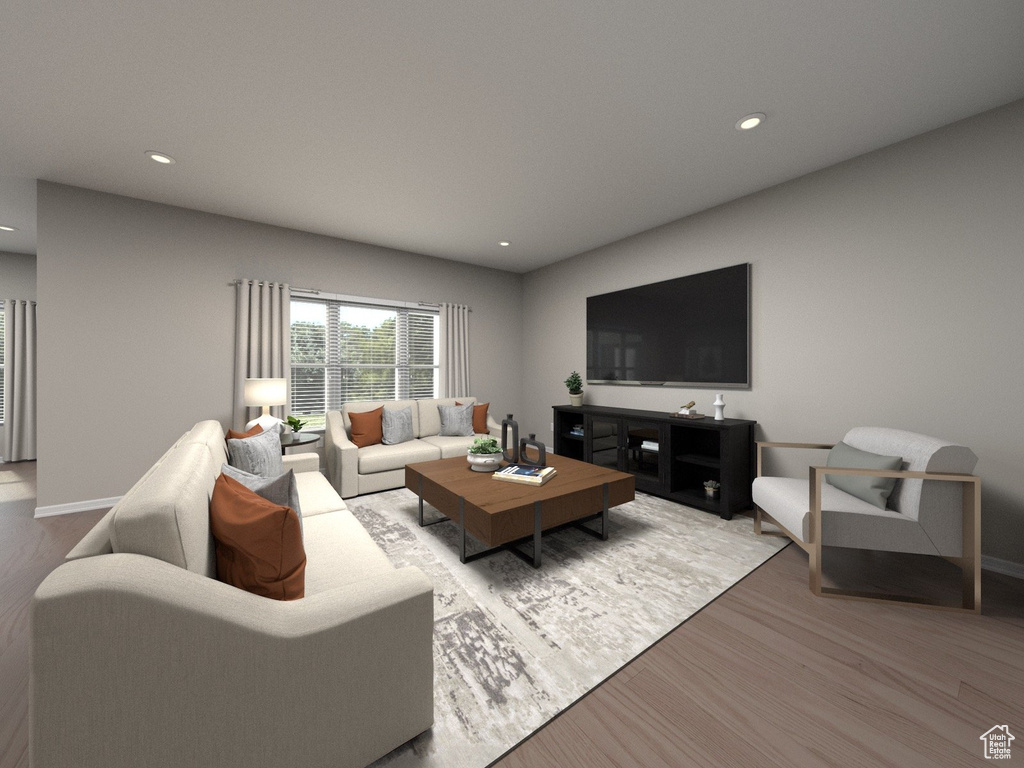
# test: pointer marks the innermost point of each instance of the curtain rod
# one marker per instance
(313, 292)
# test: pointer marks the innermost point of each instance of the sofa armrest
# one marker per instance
(493, 427)
(132, 656)
(301, 462)
(342, 457)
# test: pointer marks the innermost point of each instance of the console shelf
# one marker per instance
(669, 457)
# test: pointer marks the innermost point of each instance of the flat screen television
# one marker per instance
(692, 331)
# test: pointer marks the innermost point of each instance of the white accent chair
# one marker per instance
(934, 508)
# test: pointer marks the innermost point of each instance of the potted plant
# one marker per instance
(711, 488)
(484, 455)
(295, 423)
(575, 385)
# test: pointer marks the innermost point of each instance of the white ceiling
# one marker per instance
(442, 127)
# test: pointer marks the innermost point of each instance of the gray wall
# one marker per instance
(886, 291)
(17, 276)
(136, 327)
(17, 281)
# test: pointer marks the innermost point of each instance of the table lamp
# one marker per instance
(265, 393)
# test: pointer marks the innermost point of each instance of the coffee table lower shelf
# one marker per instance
(534, 557)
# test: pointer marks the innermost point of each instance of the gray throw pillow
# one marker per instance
(257, 455)
(456, 420)
(396, 423)
(873, 490)
(281, 490)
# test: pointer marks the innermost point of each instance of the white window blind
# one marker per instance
(344, 351)
(1, 365)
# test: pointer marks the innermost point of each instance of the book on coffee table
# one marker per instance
(526, 474)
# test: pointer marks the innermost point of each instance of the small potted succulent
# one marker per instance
(295, 424)
(575, 385)
(484, 455)
(711, 488)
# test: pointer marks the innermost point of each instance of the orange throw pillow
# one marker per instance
(479, 417)
(367, 427)
(233, 435)
(259, 543)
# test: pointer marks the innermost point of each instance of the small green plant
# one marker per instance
(712, 485)
(574, 383)
(296, 424)
(485, 445)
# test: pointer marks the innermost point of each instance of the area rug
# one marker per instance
(514, 645)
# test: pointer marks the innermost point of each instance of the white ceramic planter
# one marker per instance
(576, 400)
(483, 462)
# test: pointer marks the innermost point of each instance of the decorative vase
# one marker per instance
(576, 399)
(511, 456)
(483, 462)
(719, 408)
(525, 443)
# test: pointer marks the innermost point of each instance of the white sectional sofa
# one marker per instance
(140, 656)
(353, 470)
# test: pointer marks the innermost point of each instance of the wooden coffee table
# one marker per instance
(503, 515)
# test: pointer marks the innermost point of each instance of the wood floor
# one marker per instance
(767, 675)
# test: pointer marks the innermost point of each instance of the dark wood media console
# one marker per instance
(669, 456)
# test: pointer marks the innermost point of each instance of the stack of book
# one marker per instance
(525, 473)
(649, 445)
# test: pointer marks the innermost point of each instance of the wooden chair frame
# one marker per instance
(969, 562)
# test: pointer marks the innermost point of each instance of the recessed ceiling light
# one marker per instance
(8, 229)
(750, 121)
(504, 243)
(160, 157)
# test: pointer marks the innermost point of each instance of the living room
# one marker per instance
(882, 294)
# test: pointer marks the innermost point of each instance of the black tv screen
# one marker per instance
(690, 331)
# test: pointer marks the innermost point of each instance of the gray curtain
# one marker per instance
(454, 350)
(19, 380)
(263, 344)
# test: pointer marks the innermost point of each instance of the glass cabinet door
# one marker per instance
(603, 442)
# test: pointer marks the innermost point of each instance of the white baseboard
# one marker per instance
(76, 506)
(1005, 567)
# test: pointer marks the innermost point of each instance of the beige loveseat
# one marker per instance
(140, 656)
(353, 470)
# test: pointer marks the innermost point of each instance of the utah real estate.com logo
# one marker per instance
(997, 742)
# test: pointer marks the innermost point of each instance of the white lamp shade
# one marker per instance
(260, 392)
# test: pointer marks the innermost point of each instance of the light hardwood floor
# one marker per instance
(767, 675)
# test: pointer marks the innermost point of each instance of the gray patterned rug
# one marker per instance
(513, 646)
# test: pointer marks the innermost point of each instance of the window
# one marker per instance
(1, 365)
(344, 351)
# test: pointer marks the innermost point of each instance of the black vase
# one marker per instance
(510, 456)
(525, 443)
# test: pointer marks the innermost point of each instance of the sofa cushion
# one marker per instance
(166, 514)
(358, 406)
(379, 458)
(235, 435)
(396, 424)
(430, 417)
(259, 543)
(450, 446)
(367, 427)
(479, 417)
(846, 521)
(339, 552)
(873, 490)
(317, 494)
(456, 420)
(786, 500)
(257, 455)
(280, 490)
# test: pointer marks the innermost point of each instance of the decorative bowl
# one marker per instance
(483, 462)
